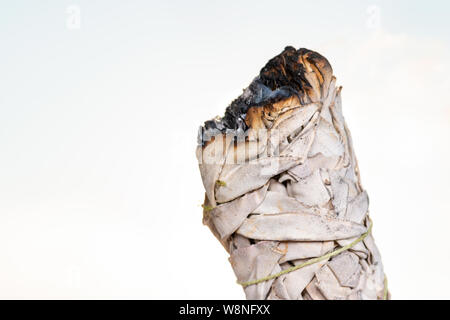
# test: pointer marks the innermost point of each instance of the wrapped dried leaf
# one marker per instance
(346, 268)
(283, 191)
(329, 285)
(299, 226)
(276, 202)
(296, 250)
(256, 173)
(256, 261)
(229, 216)
(309, 191)
(297, 280)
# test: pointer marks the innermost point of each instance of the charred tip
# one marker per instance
(285, 70)
(284, 76)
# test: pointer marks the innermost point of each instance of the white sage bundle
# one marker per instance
(283, 190)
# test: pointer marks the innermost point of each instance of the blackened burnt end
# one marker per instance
(285, 70)
(283, 76)
(257, 94)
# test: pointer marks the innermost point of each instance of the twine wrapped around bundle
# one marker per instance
(283, 190)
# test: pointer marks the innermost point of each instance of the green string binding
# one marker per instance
(315, 260)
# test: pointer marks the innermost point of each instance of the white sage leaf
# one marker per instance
(298, 226)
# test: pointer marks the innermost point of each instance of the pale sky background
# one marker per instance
(99, 187)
